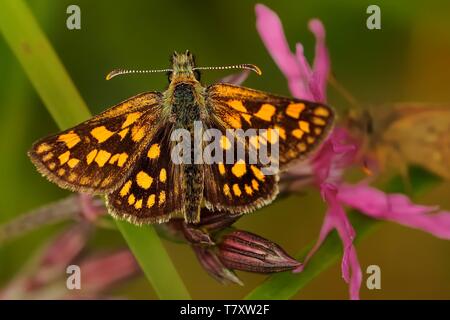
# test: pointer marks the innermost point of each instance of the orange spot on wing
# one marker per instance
(221, 168)
(321, 111)
(237, 105)
(137, 133)
(236, 190)
(319, 121)
(125, 189)
(293, 110)
(64, 157)
(239, 168)
(47, 157)
(154, 151)
(163, 175)
(91, 156)
(258, 174)
(255, 185)
(138, 204)
(297, 133)
(131, 199)
(43, 147)
(304, 126)
(161, 198)
(151, 201)
(122, 159)
(71, 139)
(226, 190)
(144, 180)
(131, 118)
(302, 147)
(266, 112)
(73, 162)
(101, 134)
(102, 157)
(123, 133)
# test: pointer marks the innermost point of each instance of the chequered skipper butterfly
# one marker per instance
(124, 152)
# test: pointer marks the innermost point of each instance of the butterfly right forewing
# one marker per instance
(152, 192)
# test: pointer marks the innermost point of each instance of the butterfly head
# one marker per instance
(183, 67)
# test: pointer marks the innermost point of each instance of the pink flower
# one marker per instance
(338, 153)
(304, 82)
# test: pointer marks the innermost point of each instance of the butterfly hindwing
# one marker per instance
(301, 125)
(96, 155)
(238, 188)
(152, 191)
(237, 183)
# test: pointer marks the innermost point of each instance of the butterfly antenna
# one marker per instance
(118, 72)
(251, 67)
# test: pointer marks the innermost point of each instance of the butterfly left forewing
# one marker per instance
(301, 125)
(96, 155)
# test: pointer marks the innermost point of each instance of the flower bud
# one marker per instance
(211, 263)
(246, 251)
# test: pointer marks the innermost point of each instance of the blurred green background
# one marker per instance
(407, 60)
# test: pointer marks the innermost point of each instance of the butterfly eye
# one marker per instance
(169, 76)
(197, 75)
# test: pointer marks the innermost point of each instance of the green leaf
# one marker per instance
(56, 89)
(285, 285)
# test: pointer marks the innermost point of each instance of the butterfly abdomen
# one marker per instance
(186, 109)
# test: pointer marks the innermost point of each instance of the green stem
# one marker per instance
(62, 99)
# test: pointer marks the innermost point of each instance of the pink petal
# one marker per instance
(336, 154)
(59, 254)
(101, 272)
(336, 218)
(351, 270)
(321, 66)
(272, 34)
(397, 208)
(327, 227)
(91, 208)
(235, 78)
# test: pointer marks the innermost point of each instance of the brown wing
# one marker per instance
(235, 181)
(301, 125)
(152, 191)
(96, 155)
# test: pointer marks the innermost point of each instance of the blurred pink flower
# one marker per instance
(338, 153)
(44, 277)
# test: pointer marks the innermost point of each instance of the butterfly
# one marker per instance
(126, 152)
(395, 134)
